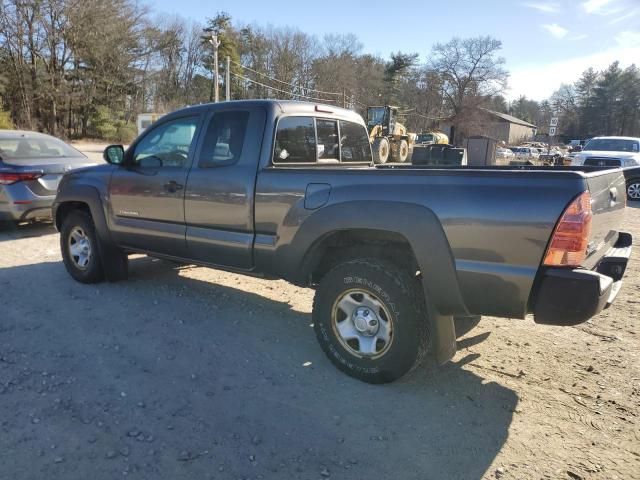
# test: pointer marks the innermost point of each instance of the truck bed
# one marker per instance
(497, 220)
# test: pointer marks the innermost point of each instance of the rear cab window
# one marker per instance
(305, 140)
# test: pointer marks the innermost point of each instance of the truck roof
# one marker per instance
(290, 107)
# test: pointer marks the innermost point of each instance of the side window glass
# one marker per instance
(354, 142)
(328, 144)
(295, 141)
(223, 139)
(167, 145)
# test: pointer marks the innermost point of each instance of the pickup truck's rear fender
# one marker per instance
(296, 260)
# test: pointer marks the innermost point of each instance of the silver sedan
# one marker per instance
(31, 166)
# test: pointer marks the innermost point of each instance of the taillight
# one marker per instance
(568, 246)
(7, 178)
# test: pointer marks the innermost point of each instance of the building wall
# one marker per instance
(501, 130)
(520, 133)
(498, 130)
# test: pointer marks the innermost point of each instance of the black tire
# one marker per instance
(93, 271)
(400, 151)
(402, 300)
(381, 150)
(633, 189)
(465, 324)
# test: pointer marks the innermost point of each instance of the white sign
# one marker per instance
(552, 131)
(554, 122)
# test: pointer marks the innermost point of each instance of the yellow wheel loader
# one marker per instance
(390, 140)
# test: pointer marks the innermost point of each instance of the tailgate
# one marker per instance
(608, 200)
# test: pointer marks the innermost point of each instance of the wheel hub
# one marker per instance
(366, 321)
(79, 248)
(362, 323)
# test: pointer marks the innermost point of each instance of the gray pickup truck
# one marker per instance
(287, 190)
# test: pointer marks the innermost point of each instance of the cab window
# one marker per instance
(166, 145)
(328, 145)
(354, 142)
(224, 139)
(295, 141)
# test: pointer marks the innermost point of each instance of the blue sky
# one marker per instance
(545, 42)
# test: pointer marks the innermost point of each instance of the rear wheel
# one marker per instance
(400, 151)
(380, 150)
(370, 320)
(633, 189)
(79, 247)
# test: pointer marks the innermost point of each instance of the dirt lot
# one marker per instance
(186, 372)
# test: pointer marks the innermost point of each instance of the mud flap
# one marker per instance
(115, 263)
(444, 336)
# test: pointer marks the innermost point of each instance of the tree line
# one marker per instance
(86, 68)
(603, 102)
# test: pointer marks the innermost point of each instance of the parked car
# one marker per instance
(525, 154)
(503, 156)
(610, 151)
(632, 177)
(431, 138)
(394, 252)
(31, 165)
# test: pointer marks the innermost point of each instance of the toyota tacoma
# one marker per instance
(288, 190)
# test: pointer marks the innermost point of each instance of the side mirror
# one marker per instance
(114, 154)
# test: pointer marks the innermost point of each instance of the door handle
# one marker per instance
(173, 186)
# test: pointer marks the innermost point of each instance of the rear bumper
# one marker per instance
(570, 297)
(18, 204)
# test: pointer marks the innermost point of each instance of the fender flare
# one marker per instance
(90, 196)
(417, 224)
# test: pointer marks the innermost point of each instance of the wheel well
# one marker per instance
(67, 207)
(343, 245)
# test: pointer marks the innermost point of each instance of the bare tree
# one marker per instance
(470, 69)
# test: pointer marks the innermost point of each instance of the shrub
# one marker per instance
(5, 121)
(109, 126)
(125, 132)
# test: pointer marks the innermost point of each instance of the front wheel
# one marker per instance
(79, 248)
(633, 189)
(381, 150)
(370, 320)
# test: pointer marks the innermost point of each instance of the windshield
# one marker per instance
(24, 148)
(425, 137)
(375, 116)
(612, 145)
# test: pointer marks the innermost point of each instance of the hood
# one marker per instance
(608, 154)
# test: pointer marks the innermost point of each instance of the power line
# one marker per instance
(283, 82)
(280, 90)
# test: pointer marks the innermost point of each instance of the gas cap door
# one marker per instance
(316, 195)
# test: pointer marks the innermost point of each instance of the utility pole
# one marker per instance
(212, 38)
(227, 83)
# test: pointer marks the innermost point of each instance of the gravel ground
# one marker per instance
(192, 373)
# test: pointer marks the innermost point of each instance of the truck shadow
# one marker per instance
(12, 231)
(221, 378)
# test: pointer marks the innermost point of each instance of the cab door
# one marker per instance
(147, 192)
(219, 200)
